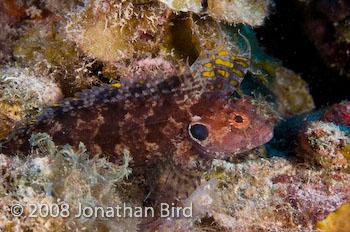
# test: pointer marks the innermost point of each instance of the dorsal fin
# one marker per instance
(219, 70)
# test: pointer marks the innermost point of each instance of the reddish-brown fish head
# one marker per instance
(228, 129)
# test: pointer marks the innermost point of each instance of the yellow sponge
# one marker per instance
(337, 221)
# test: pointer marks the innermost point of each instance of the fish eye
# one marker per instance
(199, 131)
(238, 119)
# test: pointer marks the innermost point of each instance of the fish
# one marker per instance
(173, 127)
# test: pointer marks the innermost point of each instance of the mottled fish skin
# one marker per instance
(173, 126)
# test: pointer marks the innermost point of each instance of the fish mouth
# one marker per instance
(209, 154)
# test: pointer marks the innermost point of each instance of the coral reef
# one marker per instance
(11, 14)
(249, 12)
(188, 5)
(201, 201)
(81, 43)
(17, 16)
(292, 95)
(52, 49)
(53, 175)
(259, 194)
(321, 136)
(338, 114)
(270, 79)
(274, 194)
(118, 30)
(326, 144)
(149, 67)
(47, 52)
(24, 94)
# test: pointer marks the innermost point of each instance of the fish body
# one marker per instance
(172, 125)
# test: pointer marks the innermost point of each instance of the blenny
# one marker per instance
(172, 127)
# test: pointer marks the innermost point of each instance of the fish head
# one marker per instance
(227, 129)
